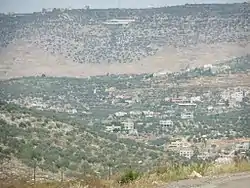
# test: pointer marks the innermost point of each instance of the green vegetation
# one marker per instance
(236, 121)
(233, 66)
(61, 127)
(55, 145)
(240, 64)
(129, 176)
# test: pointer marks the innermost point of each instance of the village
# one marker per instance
(124, 96)
(181, 116)
(178, 116)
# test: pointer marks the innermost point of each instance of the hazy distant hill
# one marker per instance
(78, 43)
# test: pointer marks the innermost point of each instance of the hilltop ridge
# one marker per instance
(79, 43)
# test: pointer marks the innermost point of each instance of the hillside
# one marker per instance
(138, 104)
(102, 125)
(80, 43)
(30, 135)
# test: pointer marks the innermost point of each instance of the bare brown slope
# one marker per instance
(24, 59)
(174, 59)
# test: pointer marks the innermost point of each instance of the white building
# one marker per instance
(187, 115)
(148, 114)
(207, 66)
(210, 108)
(140, 123)
(179, 144)
(166, 123)
(188, 153)
(224, 160)
(167, 99)
(111, 128)
(238, 96)
(204, 155)
(195, 99)
(161, 73)
(224, 68)
(128, 125)
(148, 124)
(135, 113)
(214, 69)
(120, 114)
(242, 146)
(225, 95)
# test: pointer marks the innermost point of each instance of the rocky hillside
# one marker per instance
(81, 42)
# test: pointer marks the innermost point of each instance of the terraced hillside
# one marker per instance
(79, 43)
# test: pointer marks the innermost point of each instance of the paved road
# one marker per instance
(241, 180)
(241, 183)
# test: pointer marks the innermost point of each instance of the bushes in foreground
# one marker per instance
(128, 177)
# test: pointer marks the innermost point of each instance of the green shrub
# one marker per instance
(129, 176)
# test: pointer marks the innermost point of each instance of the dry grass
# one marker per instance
(168, 174)
(159, 177)
(79, 183)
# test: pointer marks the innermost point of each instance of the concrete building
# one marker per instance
(120, 114)
(128, 125)
(178, 144)
(188, 153)
(111, 128)
(242, 146)
(166, 123)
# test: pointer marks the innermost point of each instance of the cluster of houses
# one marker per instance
(222, 150)
(183, 108)
(125, 126)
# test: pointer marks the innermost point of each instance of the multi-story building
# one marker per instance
(242, 146)
(166, 123)
(187, 152)
(128, 125)
(237, 96)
